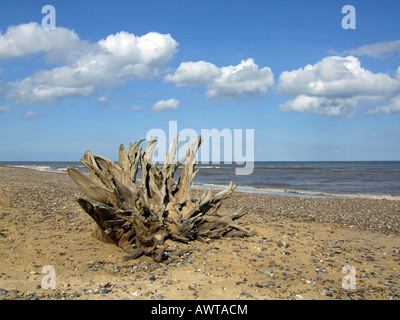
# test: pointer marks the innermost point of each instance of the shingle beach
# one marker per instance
(299, 249)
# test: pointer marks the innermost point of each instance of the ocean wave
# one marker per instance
(284, 168)
(42, 168)
(31, 167)
(212, 167)
(352, 185)
(20, 166)
(300, 193)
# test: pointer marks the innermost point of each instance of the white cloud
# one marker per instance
(336, 77)
(30, 38)
(334, 86)
(165, 105)
(151, 49)
(40, 89)
(376, 50)
(321, 105)
(392, 107)
(110, 62)
(194, 73)
(243, 81)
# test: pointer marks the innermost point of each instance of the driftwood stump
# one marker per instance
(140, 217)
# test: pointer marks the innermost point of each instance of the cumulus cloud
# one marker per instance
(392, 107)
(380, 50)
(321, 105)
(243, 81)
(165, 105)
(151, 49)
(109, 62)
(31, 38)
(334, 86)
(336, 76)
(194, 73)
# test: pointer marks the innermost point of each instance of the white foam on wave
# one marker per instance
(300, 193)
(42, 168)
(247, 189)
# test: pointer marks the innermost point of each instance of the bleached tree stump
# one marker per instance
(140, 217)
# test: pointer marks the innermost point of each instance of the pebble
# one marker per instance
(269, 272)
(246, 294)
(376, 215)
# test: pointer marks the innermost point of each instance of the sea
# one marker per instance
(294, 178)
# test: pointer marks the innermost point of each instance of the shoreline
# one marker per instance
(255, 190)
(302, 193)
(297, 250)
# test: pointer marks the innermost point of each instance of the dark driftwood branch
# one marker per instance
(139, 217)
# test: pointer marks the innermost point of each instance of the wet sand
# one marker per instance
(297, 251)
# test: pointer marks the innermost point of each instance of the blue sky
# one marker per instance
(111, 71)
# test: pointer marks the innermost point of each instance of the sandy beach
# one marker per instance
(297, 250)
